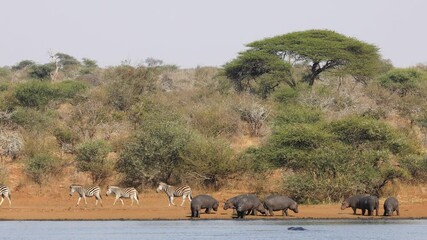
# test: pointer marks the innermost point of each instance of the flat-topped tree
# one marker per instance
(323, 50)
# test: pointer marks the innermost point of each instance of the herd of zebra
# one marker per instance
(120, 193)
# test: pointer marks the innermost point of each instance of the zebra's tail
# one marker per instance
(191, 196)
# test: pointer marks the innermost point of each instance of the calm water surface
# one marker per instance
(216, 229)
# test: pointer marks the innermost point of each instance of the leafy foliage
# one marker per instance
(91, 157)
(257, 72)
(322, 50)
(41, 166)
(403, 81)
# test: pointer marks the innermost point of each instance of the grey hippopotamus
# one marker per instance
(277, 203)
(353, 202)
(390, 205)
(203, 202)
(369, 203)
(249, 203)
(231, 203)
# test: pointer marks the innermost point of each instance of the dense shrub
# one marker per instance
(38, 94)
(127, 84)
(41, 72)
(334, 159)
(91, 157)
(42, 166)
(154, 153)
(32, 119)
(402, 81)
(35, 94)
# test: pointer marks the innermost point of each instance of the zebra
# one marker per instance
(171, 191)
(5, 193)
(86, 192)
(123, 193)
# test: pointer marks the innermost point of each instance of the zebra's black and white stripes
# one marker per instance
(123, 193)
(5, 193)
(171, 191)
(93, 191)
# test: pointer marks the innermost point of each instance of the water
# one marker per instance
(216, 229)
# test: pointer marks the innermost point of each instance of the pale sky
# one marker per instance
(191, 33)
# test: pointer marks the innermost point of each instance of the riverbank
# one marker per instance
(155, 207)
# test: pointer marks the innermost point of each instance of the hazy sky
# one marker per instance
(192, 33)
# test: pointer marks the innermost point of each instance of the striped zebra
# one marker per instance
(123, 193)
(5, 193)
(86, 192)
(171, 191)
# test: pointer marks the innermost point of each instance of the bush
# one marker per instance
(68, 89)
(402, 81)
(32, 119)
(207, 161)
(91, 157)
(154, 153)
(35, 94)
(41, 72)
(11, 144)
(41, 166)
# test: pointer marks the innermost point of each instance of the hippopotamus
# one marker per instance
(369, 203)
(203, 202)
(249, 203)
(231, 203)
(390, 205)
(277, 203)
(353, 202)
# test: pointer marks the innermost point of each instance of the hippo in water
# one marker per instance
(369, 203)
(277, 203)
(353, 202)
(249, 203)
(390, 205)
(203, 202)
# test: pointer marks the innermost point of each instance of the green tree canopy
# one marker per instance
(323, 50)
(257, 72)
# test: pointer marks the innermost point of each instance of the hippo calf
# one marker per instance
(277, 203)
(249, 203)
(390, 205)
(369, 203)
(353, 202)
(203, 202)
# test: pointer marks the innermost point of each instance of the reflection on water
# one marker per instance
(217, 229)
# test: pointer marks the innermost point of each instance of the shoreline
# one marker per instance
(154, 207)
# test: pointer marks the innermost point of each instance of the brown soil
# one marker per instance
(154, 206)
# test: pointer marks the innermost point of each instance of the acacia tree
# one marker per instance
(322, 50)
(257, 72)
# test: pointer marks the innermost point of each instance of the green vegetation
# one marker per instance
(250, 125)
(42, 166)
(92, 157)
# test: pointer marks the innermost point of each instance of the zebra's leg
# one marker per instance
(115, 200)
(131, 199)
(10, 202)
(78, 201)
(1, 202)
(183, 199)
(171, 201)
(122, 202)
(137, 201)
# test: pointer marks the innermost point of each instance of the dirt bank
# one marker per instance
(154, 206)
